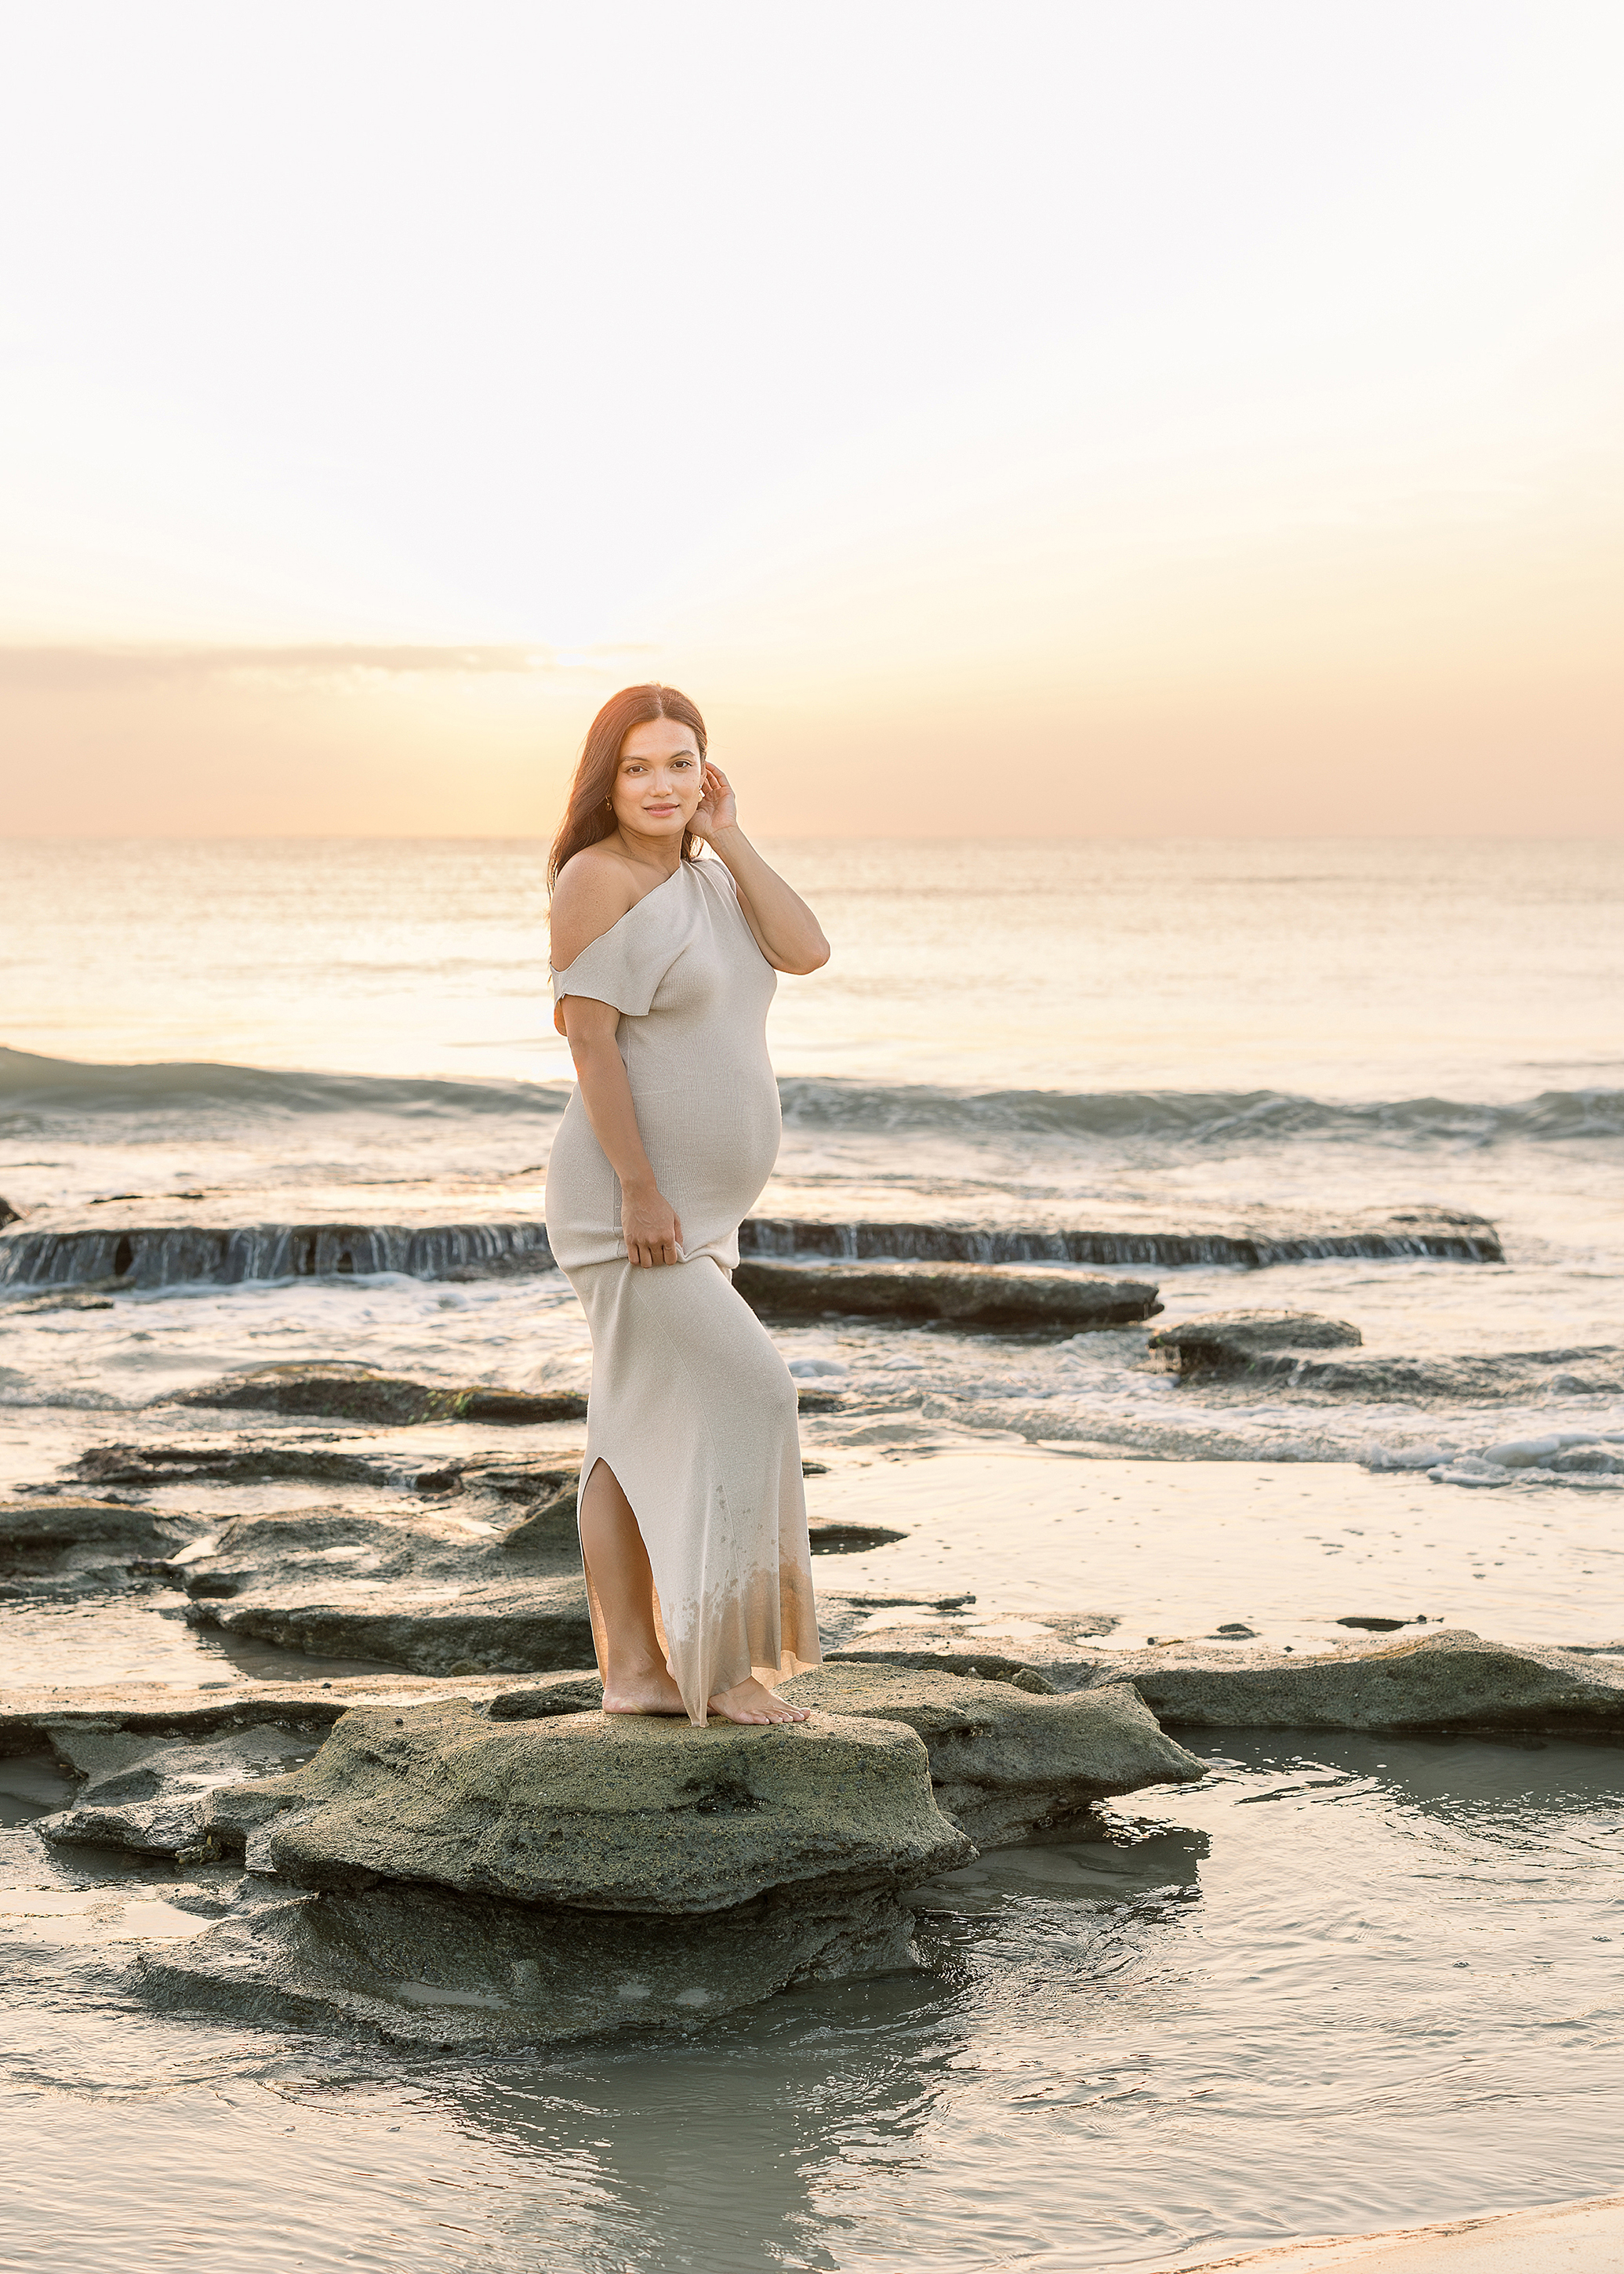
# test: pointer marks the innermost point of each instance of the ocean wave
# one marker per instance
(31, 1084)
(1193, 1116)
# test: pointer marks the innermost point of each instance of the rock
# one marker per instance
(501, 1476)
(528, 1626)
(834, 1535)
(69, 1721)
(552, 1531)
(418, 1967)
(323, 1548)
(117, 1239)
(1269, 1236)
(231, 1465)
(441, 1594)
(147, 1793)
(153, 1827)
(984, 1294)
(516, 1476)
(976, 1665)
(555, 1693)
(62, 1298)
(1005, 1764)
(1232, 1342)
(69, 1547)
(600, 1812)
(1449, 1681)
(1054, 1650)
(1287, 1347)
(360, 1393)
(8, 1213)
(120, 1765)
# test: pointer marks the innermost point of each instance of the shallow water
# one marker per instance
(1192, 2039)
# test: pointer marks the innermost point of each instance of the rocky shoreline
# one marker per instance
(459, 1848)
(468, 1864)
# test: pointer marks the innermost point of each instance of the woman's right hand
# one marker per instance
(648, 1221)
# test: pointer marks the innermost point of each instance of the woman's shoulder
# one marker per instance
(595, 889)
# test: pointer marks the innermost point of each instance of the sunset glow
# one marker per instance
(1170, 422)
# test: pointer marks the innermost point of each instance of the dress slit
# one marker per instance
(594, 1608)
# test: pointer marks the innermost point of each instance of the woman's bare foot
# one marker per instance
(750, 1700)
(651, 1689)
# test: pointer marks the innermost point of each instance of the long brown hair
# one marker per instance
(588, 817)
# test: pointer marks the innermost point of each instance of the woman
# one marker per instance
(693, 1520)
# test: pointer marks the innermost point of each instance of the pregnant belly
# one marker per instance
(712, 1149)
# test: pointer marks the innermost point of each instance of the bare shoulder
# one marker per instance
(594, 892)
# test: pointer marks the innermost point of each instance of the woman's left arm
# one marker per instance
(786, 931)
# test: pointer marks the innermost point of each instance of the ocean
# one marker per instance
(1381, 1081)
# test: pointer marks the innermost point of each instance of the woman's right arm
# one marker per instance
(647, 1218)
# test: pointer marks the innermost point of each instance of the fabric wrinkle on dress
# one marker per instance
(691, 1406)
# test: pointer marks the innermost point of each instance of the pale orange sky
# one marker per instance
(1203, 423)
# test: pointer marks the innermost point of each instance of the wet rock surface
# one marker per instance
(67, 1548)
(981, 1294)
(972, 1295)
(1373, 1377)
(518, 1627)
(1006, 1763)
(58, 1722)
(598, 1812)
(1058, 1651)
(1453, 1680)
(1231, 1342)
(1300, 1350)
(418, 1967)
(1446, 1679)
(361, 1393)
(323, 1547)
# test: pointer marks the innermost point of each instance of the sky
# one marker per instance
(1183, 419)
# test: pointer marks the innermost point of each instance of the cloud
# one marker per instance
(89, 669)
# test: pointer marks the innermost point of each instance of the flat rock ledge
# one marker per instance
(522, 1626)
(361, 1393)
(1301, 1349)
(970, 1294)
(65, 1548)
(1004, 1764)
(1452, 1680)
(601, 1812)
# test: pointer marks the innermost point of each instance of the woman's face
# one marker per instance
(659, 781)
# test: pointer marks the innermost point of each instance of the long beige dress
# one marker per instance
(691, 1406)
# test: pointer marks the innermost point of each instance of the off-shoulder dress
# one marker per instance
(691, 1406)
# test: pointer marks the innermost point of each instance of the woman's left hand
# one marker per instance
(717, 808)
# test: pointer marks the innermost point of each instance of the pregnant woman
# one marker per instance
(693, 1519)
